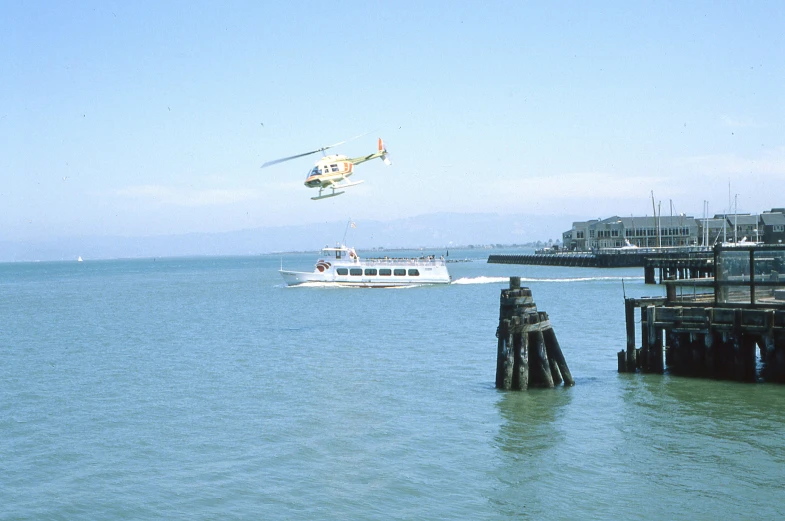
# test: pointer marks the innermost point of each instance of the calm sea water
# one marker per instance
(205, 389)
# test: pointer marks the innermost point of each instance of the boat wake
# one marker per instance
(499, 280)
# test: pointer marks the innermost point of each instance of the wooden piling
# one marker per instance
(521, 343)
(505, 360)
(655, 341)
(555, 353)
(528, 353)
(540, 360)
(708, 357)
(629, 319)
(644, 358)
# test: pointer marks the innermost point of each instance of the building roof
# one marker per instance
(664, 222)
(713, 224)
(770, 219)
(742, 219)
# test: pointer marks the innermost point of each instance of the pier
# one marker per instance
(649, 258)
(528, 353)
(730, 326)
(675, 266)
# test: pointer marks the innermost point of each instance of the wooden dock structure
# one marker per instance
(692, 265)
(528, 353)
(671, 259)
(731, 326)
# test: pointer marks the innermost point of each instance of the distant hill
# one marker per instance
(439, 230)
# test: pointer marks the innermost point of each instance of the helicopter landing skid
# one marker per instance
(326, 196)
(333, 188)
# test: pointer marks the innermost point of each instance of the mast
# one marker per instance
(654, 213)
(348, 223)
(705, 235)
(736, 218)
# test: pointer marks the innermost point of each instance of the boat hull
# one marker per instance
(295, 278)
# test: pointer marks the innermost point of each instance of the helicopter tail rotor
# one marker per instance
(383, 151)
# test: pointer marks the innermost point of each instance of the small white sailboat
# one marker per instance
(79, 259)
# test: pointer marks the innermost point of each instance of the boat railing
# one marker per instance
(398, 261)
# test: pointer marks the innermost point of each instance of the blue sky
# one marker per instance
(150, 118)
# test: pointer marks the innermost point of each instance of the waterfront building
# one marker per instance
(713, 230)
(675, 231)
(643, 232)
(741, 227)
(772, 226)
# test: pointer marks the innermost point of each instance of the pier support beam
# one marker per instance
(629, 320)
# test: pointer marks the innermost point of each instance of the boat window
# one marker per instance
(414, 273)
(342, 271)
(400, 272)
(385, 272)
(355, 271)
(370, 271)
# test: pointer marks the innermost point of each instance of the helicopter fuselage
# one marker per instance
(329, 170)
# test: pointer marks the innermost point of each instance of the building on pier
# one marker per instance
(772, 226)
(678, 231)
(641, 232)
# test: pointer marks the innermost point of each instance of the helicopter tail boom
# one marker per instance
(382, 153)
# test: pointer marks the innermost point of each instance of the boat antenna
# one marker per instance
(350, 223)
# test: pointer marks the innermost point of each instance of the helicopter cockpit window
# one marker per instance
(312, 172)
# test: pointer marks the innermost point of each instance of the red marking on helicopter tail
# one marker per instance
(381, 145)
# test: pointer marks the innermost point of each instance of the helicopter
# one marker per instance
(332, 172)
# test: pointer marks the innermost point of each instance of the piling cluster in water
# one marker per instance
(528, 353)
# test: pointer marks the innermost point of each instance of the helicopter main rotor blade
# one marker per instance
(276, 161)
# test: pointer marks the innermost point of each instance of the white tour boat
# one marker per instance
(342, 266)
